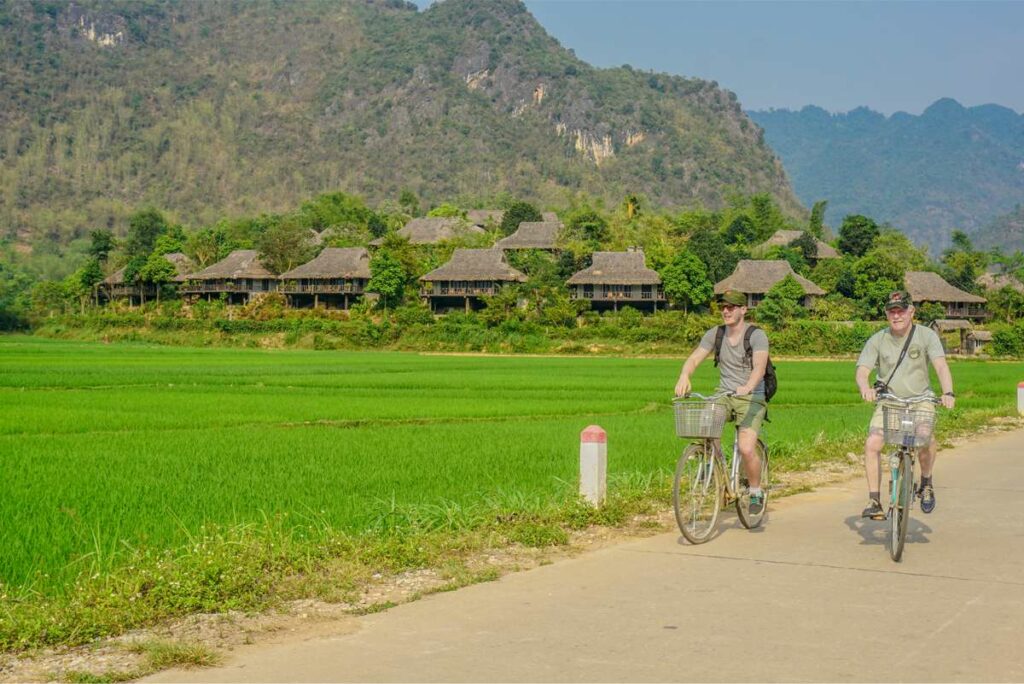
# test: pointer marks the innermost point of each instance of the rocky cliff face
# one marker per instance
(207, 109)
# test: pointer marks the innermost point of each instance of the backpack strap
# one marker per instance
(746, 343)
(719, 337)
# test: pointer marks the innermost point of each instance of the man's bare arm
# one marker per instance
(694, 360)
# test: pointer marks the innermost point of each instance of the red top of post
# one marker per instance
(1020, 385)
(594, 434)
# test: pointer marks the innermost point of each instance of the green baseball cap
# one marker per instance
(900, 299)
(734, 297)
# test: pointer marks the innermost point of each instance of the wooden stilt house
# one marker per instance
(239, 277)
(468, 276)
(925, 287)
(115, 286)
(334, 279)
(754, 278)
(618, 278)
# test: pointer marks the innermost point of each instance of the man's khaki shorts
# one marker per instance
(747, 412)
(876, 426)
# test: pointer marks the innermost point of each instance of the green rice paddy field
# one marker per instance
(112, 447)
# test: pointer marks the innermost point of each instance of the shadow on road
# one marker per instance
(726, 523)
(876, 532)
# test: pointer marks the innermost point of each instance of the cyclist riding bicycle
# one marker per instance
(900, 353)
(740, 376)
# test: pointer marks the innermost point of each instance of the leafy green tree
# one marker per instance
(782, 303)
(962, 264)
(157, 271)
(816, 225)
(710, 247)
(168, 244)
(929, 311)
(203, 247)
(48, 296)
(1007, 304)
(686, 282)
(807, 245)
(741, 231)
(516, 213)
(767, 216)
(144, 227)
(857, 235)
(794, 256)
(101, 244)
(284, 246)
(387, 278)
(377, 225)
(897, 246)
(587, 225)
(334, 209)
(447, 210)
(15, 286)
(409, 203)
(90, 274)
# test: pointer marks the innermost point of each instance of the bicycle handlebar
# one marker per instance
(886, 396)
(713, 397)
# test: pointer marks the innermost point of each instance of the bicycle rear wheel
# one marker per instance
(899, 519)
(697, 492)
(749, 520)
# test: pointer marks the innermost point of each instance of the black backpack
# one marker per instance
(771, 383)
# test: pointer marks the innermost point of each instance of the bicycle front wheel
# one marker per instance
(697, 492)
(748, 519)
(899, 518)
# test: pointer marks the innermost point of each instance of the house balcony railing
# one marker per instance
(242, 286)
(599, 296)
(953, 311)
(452, 291)
(293, 287)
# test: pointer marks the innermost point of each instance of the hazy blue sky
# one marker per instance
(889, 56)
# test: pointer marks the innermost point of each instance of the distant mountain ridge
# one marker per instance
(952, 167)
(207, 109)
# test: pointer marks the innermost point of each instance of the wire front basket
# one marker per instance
(701, 419)
(907, 427)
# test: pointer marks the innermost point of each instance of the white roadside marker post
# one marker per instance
(1020, 398)
(594, 464)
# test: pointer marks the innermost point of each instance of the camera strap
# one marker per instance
(903, 353)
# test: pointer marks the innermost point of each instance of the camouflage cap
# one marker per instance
(900, 299)
(734, 297)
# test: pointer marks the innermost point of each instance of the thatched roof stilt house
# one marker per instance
(240, 276)
(754, 278)
(334, 278)
(615, 278)
(114, 286)
(469, 275)
(925, 287)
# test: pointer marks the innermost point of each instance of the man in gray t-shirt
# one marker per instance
(739, 376)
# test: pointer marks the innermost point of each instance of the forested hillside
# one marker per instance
(950, 168)
(208, 110)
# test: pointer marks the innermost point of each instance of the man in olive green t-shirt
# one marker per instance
(910, 379)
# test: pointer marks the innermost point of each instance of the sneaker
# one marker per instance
(874, 510)
(927, 495)
(756, 504)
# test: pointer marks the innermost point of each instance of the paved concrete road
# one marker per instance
(813, 596)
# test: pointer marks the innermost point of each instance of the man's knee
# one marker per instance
(874, 443)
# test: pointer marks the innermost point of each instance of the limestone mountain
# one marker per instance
(1005, 232)
(952, 167)
(206, 109)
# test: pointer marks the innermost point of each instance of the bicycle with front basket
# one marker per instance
(705, 481)
(908, 429)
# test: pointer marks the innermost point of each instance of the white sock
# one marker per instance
(755, 490)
